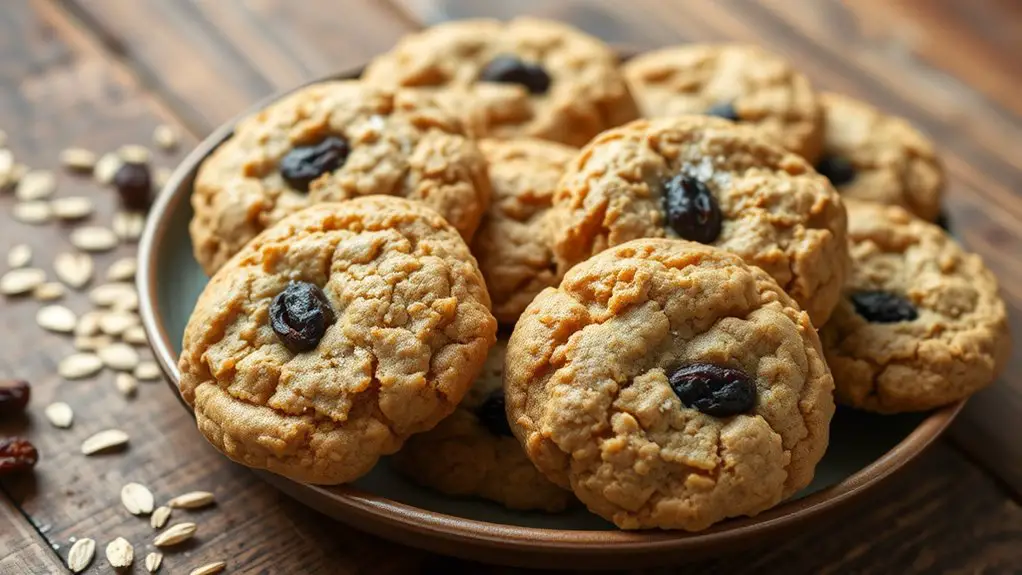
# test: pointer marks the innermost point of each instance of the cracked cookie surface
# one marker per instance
(513, 242)
(463, 456)
(589, 397)
(399, 143)
(775, 211)
(585, 92)
(958, 340)
(886, 159)
(745, 83)
(411, 329)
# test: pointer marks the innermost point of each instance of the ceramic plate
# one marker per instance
(863, 450)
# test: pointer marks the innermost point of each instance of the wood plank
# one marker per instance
(59, 88)
(22, 549)
(210, 60)
(861, 49)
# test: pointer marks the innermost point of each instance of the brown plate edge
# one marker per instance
(352, 504)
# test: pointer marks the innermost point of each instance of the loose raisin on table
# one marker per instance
(883, 307)
(14, 394)
(714, 389)
(16, 454)
(134, 185)
(724, 110)
(303, 164)
(839, 170)
(691, 210)
(508, 69)
(492, 415)
(299, 316)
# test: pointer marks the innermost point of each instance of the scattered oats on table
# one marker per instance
(72, 208)
(94, 238)
(19, 256)
(106, 440)
(22, 280)
(137, 498)
(80, 555)
(175, 534)
(33, 213)
(73, 268)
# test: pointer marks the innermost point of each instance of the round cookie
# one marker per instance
(708, 180)
(869, 155)
(474, 453)
(921, 324)
(330, 142)
(513, 243)
(739, 82)
(333, 336)
(526, 77)
(670, 385)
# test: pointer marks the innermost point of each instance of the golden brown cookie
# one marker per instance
(513, 242)
(330, 142)
(871, 156)
(473, 452)
(739, 82)
(712, 181)
(670, 385)
(527, 77)
(333, 336)
(921, 324)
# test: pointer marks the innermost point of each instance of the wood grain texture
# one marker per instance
(22, 549)
(914, 58)
(103, 73)
(210, 59)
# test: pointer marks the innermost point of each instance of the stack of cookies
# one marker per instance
(541, 277)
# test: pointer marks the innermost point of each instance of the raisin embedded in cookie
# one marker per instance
(330, 142)
(527, 77)
(513, 243)
(334, 335)
(711, 181)
(670, 385)
(869, 155)
(739, 82)
(921, 324)
(473, 452)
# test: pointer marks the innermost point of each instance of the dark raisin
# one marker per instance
(492, 415)
(724, 110)
(303, 164)
(300, 315)
(714, 389)
(883, 307)
(510, 70)
(839, 170)
(14, 396)
(134, 185)
(692, 211)
(16, 454)
(944, 221)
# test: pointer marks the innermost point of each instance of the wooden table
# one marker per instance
(102, 73)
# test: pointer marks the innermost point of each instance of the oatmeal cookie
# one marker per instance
(513, 242)
(739, 82)
(712, 181)
(921, 324)
(527, 77)
(670, 385)
(333, 336)
(869, 155)
(330, 142)
(473, 453)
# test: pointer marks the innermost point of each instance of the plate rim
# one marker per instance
(440, 525)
